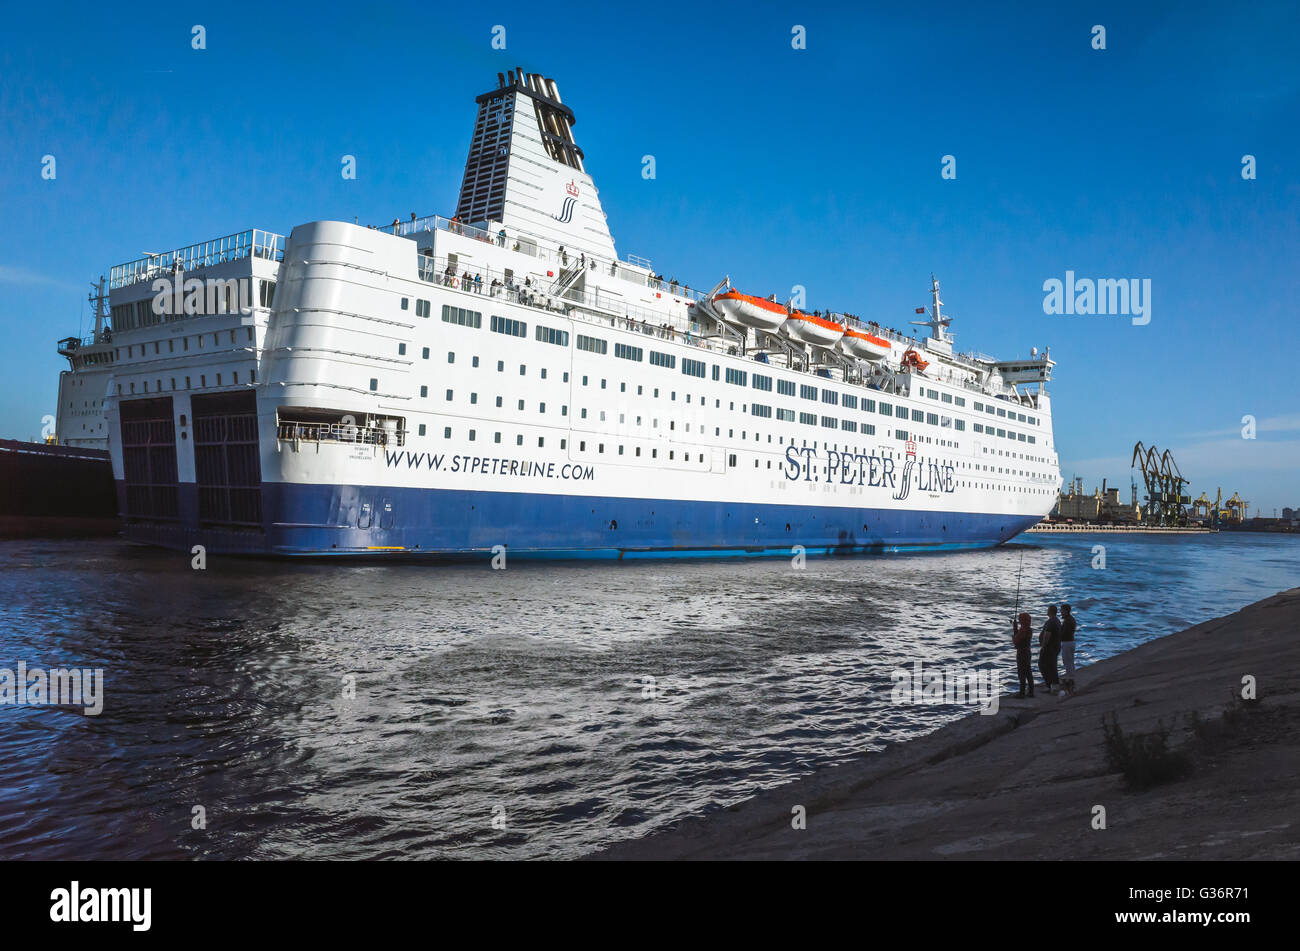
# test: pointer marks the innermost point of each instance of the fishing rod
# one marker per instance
(1019, 573)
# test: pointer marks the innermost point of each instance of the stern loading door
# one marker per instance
(227, 465)
(149, 459)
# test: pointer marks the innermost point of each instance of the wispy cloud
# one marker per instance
(26, 277)
(1268, 426)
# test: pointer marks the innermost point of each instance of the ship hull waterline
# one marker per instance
(462, 525)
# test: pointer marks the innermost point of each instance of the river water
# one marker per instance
(410, 711)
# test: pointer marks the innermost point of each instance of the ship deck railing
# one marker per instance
(598, 308)
(604, 307)
(232, 247)
(340, 433)
(548, 251)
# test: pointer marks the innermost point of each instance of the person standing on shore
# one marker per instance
(1022, 637)
(1049, 646)
(1067, 647)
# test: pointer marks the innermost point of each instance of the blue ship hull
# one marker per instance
(378, 522)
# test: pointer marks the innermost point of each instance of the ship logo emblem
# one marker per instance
(905, 480)
(566, 210)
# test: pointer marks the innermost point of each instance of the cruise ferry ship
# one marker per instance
(502, 381)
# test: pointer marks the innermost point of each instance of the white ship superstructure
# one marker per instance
(444, 386)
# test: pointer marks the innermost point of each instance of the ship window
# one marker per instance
(405, 303)
(541, 441)
(473, 434)
(473, 398)
(541, 407)
(374, 383)
(453, 315)
(446, 432)
(449, 396)
(521, 404)
(401, 349)
(498, 402)
(496, 437)
(422, 429)
(508, 326)
(592, 344)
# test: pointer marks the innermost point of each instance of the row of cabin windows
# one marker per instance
(184, 342)
(1006, 413)
(756, 408)
(518, 328)
(203, 382)
(868, 405)
(1005, 434)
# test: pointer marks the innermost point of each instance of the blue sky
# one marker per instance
(818, 167)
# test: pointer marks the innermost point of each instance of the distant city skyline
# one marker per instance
(998, 149)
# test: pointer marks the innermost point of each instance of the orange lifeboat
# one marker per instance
(912, 361)
(738, 308)
(818, 331)
(859, 343)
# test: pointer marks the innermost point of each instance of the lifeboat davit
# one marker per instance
(912, 361)
(750, 311)
(815, 330)
(859, 343)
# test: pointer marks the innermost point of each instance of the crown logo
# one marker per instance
(571, 188)
(911, 448)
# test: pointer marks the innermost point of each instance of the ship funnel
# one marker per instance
(525, 168)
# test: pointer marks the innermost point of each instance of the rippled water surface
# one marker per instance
(573, 704)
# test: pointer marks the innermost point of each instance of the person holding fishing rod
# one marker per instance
(1022, 633)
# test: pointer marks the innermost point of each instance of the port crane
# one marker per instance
(1166, 487)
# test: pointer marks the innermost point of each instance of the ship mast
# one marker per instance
(937, 323)
(97, 298)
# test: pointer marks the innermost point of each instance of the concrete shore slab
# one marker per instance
(1024, 783)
